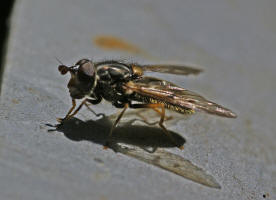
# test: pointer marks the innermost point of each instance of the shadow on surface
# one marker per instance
(136, 140)
(97, 131)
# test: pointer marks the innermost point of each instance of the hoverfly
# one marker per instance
(125, 86)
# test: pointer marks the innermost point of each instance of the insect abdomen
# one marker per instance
(146, 99)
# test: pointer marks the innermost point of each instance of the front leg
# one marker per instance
(84, 102)
(69, 112)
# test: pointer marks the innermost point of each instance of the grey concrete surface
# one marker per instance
(234, 41)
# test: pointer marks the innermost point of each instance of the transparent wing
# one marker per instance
(164, 91)
(171, 69)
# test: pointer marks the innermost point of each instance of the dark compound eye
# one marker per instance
(82, 61)
(87, 68)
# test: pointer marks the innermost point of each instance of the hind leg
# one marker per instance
(162, 118)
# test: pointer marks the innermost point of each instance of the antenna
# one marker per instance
(59, 61)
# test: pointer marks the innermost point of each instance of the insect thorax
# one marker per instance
(110, 77)
(112, 72)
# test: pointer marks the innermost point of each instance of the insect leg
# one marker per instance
(71, 109)
(77, 110)
(94, 101)
(162, 118)
(114, 125)
(145, 120)
(90, 109)
(160, 113)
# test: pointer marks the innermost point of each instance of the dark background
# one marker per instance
(4, 29)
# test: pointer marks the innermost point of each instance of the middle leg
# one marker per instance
(115, 125)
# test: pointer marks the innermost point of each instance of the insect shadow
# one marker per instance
(97, 131)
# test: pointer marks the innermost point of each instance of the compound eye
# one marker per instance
(82, 61)
(87, 68)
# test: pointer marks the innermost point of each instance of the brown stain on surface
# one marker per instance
(115, 43)
(15, 101)
(31, 90)
(109, 42)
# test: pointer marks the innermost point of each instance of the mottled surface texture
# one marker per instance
(234, 41)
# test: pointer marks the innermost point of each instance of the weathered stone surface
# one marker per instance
(235, 41)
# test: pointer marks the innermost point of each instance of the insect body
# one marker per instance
(124, 85)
